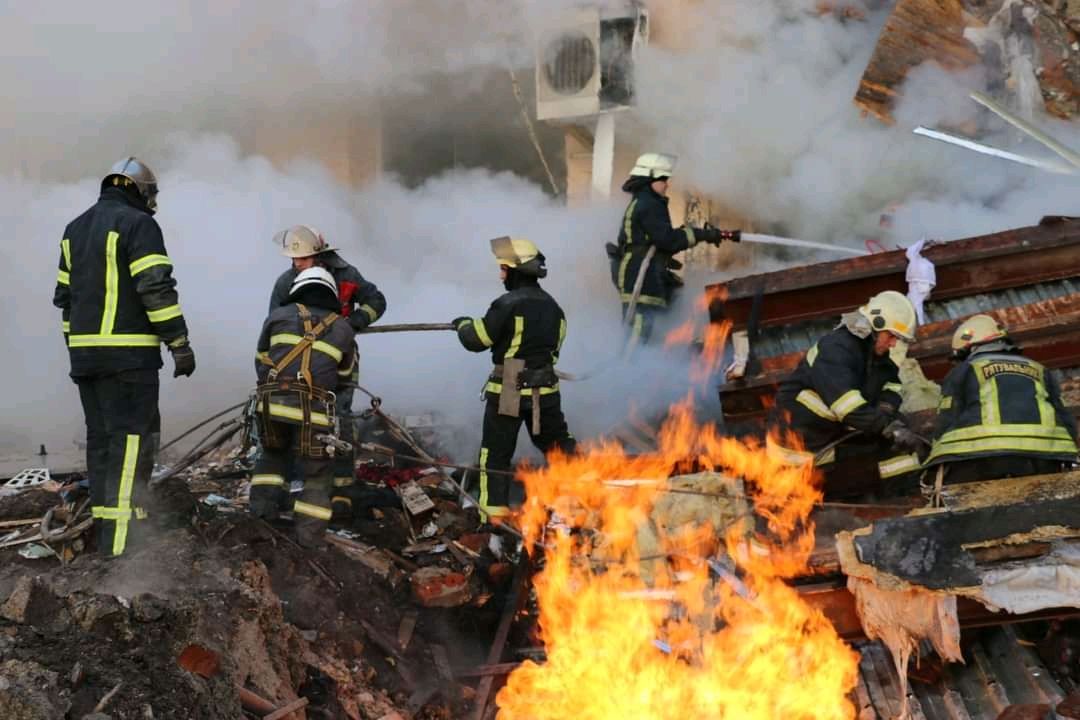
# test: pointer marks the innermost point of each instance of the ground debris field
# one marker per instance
(215, 614)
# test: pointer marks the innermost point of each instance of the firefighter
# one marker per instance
(361, 304)
(646, 224)
(119, 304)
(524, 329)
(305, 352)
(1000, 413)
(847, 380)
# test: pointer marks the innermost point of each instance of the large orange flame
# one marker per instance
(684, 645)
(714, 336)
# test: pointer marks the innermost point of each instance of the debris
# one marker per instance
(199, 660)
(287, 710)
(31, 477)
(28, 691)
(104, 702)
(440, 587)
(405, 629)
(36, 551)
(416, 501)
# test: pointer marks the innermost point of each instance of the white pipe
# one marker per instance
(603, 156)
(1018, 122)
(1048, 165)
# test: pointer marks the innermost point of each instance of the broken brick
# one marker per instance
(1025, 712)
(32, 603)
(199, 660)
(440, 587)
(475, 541)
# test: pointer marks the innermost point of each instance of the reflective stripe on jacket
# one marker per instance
(524, 323)
(1002, 403)
(330, 362)
(838, 384)
(115, 288)
(647, 222)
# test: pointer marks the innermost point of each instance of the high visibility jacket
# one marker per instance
(524, 323)
(1002, 403)
(647, 223)
(330, 360)
(838, 384)
(361, 302)
(116, 290)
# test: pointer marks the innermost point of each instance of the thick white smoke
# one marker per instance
(757, 104)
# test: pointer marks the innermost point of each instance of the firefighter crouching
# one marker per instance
(304, 352)
(1000, 414)
(847, 381)
(524, 329)
(361, 304)
(119, 302)
(646, 224)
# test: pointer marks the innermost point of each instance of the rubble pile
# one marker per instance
(213, 613)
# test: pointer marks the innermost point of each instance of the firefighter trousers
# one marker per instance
(500, 440)
(345, 463)
(122, 421)
(270, 492)
(639, 331)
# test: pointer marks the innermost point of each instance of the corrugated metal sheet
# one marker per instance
(999, 671)
(798, 338)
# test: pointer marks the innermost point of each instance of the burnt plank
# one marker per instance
(928, 549)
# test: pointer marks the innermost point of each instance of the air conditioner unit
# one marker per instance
(585, 59)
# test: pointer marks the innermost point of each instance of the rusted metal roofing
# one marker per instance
(999, 671)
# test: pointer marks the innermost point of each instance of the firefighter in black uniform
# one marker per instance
(305, 352)
(361, 304)
(646, 226)
(524, 329)
(848, 381)
(119, 302)
(1001, 414)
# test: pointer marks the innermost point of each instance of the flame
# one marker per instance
(620, 648)
(714, 336)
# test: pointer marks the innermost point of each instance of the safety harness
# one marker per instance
(302, 386)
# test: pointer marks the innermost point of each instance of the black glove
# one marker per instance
(183, 360)
(359, 321)
(715, 236)
(457, 321)
(902, 437)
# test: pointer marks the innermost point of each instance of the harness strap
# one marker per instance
(302, 348)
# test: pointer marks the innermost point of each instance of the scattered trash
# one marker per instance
(36, 551)
(215, 500)
(31, 477)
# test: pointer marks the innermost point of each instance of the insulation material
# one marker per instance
(901, 619)
(921, 278)
(1024, 587)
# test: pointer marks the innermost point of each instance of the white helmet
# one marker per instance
(301, 241)
(314, 276)
(890, 311)
(654, 165)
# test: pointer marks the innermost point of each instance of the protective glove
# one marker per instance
(715, 236)
(183, 360)
(359, 321)
(458, 320)
(902, 437)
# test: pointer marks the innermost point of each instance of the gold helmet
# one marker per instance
(520, 254)
(301, 241)
(891, 312)
(654, 165)
(976, 330)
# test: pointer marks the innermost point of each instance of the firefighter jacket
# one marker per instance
(329, 361)
(116, 289)
(840, 383)
(361, 302)
(647, 223)
(523, 323)
(998, 402)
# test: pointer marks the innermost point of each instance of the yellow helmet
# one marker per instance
(976, 330)
(520, 254)
(654, 165)
(892, 312)
(301, 241)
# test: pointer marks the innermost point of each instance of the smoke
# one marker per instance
(758, 104)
